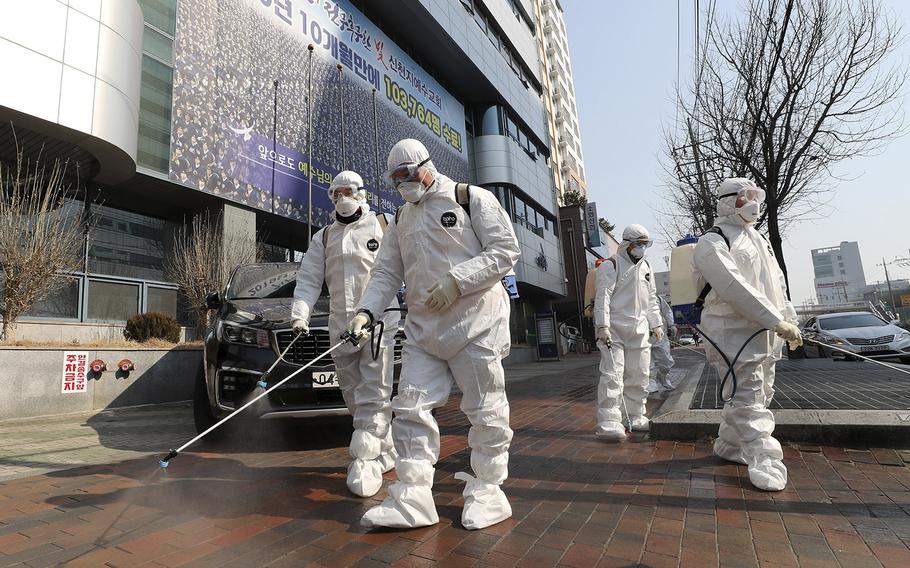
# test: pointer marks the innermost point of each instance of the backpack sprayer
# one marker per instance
(688, 302)
(345, 338)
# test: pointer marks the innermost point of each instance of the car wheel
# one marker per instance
(905, 360)
(202, 411)
(849, 358)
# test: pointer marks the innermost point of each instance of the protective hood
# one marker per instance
(727, 193)
(347, 178)
(631, 234)
(409, 151)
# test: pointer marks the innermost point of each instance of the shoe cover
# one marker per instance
(641, 424)
(727, 451)
(484, 503)
(652, 386)
(387, 460)
(408, 506)
(364, 477)
(364, 445)
(768, 473)
(610, 431)
(665, 383)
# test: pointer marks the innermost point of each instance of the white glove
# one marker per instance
(673, 331)
(790, 333)
(442, 294)
(658, 334)
(355, 328)
(603, 335)
(301, 326)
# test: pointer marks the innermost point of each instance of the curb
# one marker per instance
(674, 420)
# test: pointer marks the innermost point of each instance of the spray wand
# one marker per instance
(164, 462)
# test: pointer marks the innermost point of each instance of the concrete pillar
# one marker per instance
(239, 230)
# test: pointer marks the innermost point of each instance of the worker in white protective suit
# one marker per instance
(661, 355)
(625, 316)
(342, 255)
(452, 256)
(748, 293)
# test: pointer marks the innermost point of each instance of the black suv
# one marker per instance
(251, 328)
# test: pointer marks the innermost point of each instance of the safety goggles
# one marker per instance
(642, 243)
(403, 173)
(338, 191)
(747, 194)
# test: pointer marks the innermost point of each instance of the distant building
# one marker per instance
(839, 276)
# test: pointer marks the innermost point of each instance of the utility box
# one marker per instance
(547, 345)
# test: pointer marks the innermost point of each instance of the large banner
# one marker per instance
(239, 127)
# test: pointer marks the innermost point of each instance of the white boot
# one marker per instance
(484, 503)
(653, 386)
(387, 460)
(768, 473)
(610, 431)
(641, 424)
(664, 380)
(730, 452)
(410, 502)
(365, 472)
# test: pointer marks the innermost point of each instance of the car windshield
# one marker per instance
(848, 321)
(263, 281)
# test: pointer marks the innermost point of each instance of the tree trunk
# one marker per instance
(777, 244)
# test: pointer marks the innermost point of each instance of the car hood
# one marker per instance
(864, 332)
(272, 313)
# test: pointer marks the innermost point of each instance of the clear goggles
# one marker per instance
(642, 243)
(336, 192)
(403, 173)
(747, 194)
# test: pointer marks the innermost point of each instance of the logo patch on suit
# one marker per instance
(448, 219)
(648, 276)
(372, 245)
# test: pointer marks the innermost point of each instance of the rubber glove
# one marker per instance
(658, 334)
(355, 328)
(301, 326)
(603, 335)
(790, 333)
(442, 294)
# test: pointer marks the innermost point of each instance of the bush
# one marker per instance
(152, 325)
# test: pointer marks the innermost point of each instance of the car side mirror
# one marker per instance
(895, 322)
(213, 301)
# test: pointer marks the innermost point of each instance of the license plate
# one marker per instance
(324, 380)
(866, 348)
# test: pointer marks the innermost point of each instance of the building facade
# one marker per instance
(247, 108)
(559, 100)
(839, 275)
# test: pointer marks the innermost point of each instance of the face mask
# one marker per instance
(411, 191)
(636, 252)
(749, 212)
(347, 206)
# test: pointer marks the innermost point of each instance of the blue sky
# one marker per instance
(624, 60)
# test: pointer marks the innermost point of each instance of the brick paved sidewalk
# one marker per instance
(577, 503)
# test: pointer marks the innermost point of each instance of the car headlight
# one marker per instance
(835, 341)
(902, 336)
(245, 335)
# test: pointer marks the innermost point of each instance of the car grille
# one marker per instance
(304, 349)
(876, 341)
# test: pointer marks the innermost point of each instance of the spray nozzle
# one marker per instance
(262, 384)
(352, 338)
(164, 462)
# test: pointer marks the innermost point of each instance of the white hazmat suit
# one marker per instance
(661, 354)
(625, 313)
(457, 328)
(342, 255)
(748, 294)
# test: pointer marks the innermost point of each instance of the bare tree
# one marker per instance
(204, 258)
(41, 235)
(781, 96)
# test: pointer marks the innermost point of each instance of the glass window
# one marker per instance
(155, 103)
(161, 300)
(494, 37)
(112, 301)
(129, 244)
(481, 21)
(160, 13)
(512, 128)
(158, 44)
(61, 303)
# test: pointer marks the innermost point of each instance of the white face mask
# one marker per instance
(412, 191)
(347, 206)
(749, 212)
(636, 252)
